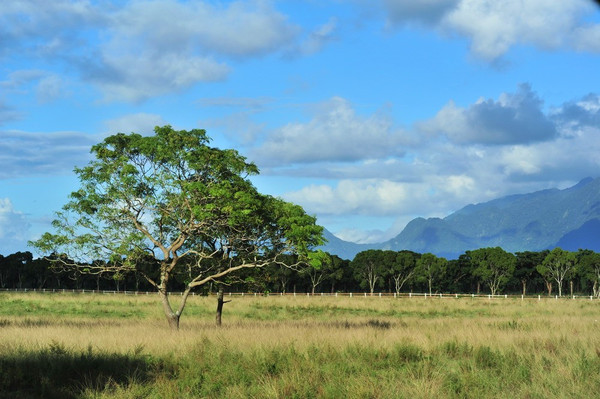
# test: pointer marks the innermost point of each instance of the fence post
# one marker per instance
(410, 294)
(350, 295)
(380, 295)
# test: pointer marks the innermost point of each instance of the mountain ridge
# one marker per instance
(569, 218)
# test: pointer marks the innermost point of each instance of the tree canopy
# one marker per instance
(187, 206)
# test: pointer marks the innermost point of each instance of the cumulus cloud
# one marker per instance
(335, 133)
(512, 119)
(161, 46)
(14, 227)
(500, 147)
(13, 224)
(364, 197)
(31, 154)
(55, 26)
(494, 27)
(147, 47)
(579, 114)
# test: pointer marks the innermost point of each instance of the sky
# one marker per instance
(368, 113)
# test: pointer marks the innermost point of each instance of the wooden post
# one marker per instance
(220, 303)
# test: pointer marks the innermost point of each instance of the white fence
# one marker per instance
(308, 294)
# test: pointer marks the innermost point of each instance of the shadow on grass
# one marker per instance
(56, 372)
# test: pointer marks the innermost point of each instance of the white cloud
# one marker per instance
(154, 74)
(14, 227)
(364, 197)
(335, 133)
(317, 39)
(31, 154)
(513, 118)
(494, 27)
(144, 48)
(576, 115)
(162, 46)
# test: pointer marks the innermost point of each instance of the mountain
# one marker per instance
(568, 218)
(344, 249)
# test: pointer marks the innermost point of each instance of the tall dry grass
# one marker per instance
(314, 347)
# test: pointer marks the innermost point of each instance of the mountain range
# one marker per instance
(569, 219)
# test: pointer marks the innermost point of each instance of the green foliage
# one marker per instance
(430, 268)
(494, 266)
(369, 268)
(558, 265)
(173, 198)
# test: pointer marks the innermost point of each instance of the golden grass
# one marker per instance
(279, 347)
(251, 322)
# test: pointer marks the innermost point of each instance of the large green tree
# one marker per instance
(188, 206)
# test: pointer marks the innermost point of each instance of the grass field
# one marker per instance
(107, 346)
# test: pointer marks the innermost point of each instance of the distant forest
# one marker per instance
(482, 271)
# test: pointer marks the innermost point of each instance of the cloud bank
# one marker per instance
(494, 27)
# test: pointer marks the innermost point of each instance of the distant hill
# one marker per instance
(568, 218)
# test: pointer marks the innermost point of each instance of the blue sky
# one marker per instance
(367, 113)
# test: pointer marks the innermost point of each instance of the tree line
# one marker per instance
(482, 271)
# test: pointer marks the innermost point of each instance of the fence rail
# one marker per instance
(309, 294)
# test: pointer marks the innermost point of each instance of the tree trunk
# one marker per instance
(220, 303)
(524, 285)
(549, 287)
(571, 287)
(172, 317)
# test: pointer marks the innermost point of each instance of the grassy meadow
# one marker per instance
(116, 346)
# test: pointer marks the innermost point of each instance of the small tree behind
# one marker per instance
(403, 268)
(494, 266)
(558, 265)
(368, 269)
(430, 268)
